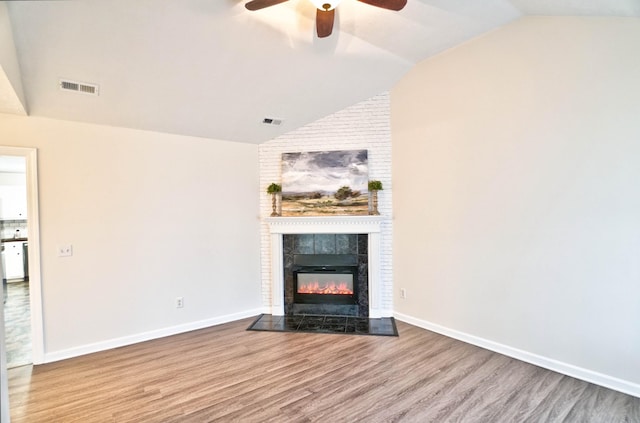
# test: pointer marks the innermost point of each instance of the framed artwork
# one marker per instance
(325, 183)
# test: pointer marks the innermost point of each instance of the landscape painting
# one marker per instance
(325, 183)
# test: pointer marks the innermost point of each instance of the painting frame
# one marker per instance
(325, 183)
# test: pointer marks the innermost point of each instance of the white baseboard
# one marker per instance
(146, 336)
(587, 375)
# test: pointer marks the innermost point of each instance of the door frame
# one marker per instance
(33, 228)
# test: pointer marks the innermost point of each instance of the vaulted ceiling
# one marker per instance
(213, 69)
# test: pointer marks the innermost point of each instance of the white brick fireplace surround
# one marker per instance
(365, 125)
(370, 225)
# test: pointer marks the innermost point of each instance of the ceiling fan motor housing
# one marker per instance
(325, 5)
(325, 14)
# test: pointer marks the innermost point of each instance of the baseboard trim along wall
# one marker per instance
(547, 363)
(146, 336)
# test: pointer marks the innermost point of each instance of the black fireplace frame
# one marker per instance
(303, 298)
(327, 264)
(326, 250)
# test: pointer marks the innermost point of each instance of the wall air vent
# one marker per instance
(272, 121)
(79, 87)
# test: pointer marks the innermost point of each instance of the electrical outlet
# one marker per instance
(179, 302)
(403, 293)
(65, 250)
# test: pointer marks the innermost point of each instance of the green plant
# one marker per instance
(375, 186)
(274, 188)
(343, 193)
(346, 192)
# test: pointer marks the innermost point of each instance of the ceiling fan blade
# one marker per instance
(324, 22)
(386, 4)
(261, 4)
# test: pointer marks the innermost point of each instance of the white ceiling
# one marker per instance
(213, 69)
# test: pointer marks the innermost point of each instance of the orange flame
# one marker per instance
(330, 288)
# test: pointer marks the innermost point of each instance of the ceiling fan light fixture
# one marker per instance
(325, 5)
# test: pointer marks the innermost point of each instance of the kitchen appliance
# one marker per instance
(25, 260)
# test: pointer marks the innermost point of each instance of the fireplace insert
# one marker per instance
(325, 279)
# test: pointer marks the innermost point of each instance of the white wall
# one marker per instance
(11, 93)
(516, 164)
(151, 217)
(363, 126)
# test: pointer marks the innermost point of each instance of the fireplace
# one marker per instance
(359, 235)
(326, 274)
(325, 279)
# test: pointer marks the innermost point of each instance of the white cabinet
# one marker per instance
(13, 202)
(13, 264)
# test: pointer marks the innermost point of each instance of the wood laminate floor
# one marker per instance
(228, 374)
(17, 323)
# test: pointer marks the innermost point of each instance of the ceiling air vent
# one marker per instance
(79, 87)
(272, 121)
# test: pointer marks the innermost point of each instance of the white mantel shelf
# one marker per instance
(370, 225)
(325, 224)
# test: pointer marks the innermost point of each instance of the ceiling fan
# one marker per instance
(326, 10)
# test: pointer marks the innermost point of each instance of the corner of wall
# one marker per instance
(365, 125)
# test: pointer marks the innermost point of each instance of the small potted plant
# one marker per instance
(274, 189)
(374, 187)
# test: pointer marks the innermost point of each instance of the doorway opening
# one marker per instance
(19, 242)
